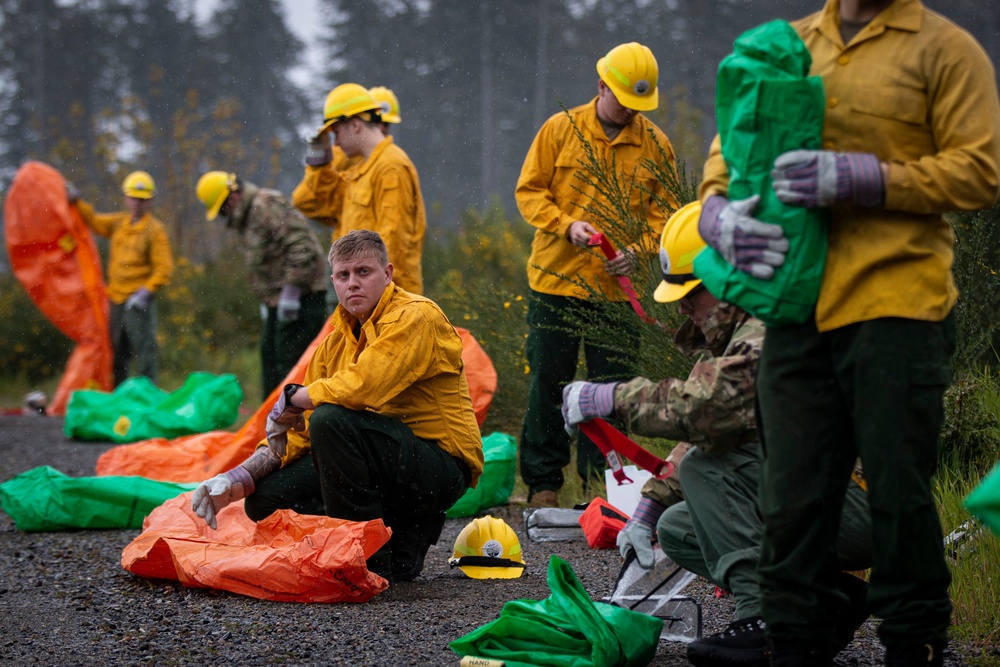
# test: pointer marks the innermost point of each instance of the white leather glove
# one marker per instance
(637, 535)
(289, 303)
(583, 401)
(139, 299)
(750, 245)
(318, 149)
(214, 494)
(813, 178)
(283, 416)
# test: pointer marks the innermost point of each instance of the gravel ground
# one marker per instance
(65, 599)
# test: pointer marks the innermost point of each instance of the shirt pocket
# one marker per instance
(895, 117)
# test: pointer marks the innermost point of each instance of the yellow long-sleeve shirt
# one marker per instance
(407, 364)
(140, 253)
(381, 194)
(551, 195)
(919, 93)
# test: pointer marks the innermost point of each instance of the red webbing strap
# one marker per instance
(610, 252)
(613, 442)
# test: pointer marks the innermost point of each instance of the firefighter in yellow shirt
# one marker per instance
(383, 427)
(911, 131)
(380, 193)
(139, 265)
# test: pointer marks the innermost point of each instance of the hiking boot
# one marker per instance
(915, 655)
(546, 498)
(410, 541)
(854, 614)
(742, 643)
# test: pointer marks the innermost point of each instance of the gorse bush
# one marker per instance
(32, 349)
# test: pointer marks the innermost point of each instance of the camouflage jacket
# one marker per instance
(279, 246)
(714, 407)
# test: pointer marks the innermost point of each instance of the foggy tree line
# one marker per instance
(101, 87)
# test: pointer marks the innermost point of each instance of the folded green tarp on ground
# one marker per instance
(566, 629)
(497, 480)
(984, 500)
(138, 410)
(45, 499)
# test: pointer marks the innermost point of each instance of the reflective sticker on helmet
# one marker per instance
(641, 87)
(493, 549)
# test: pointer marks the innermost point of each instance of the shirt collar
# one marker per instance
(900, 15)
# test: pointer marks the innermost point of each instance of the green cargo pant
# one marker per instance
(553, 350)
(133, 336)
(717, 531)
(874, 390)
(283, 343)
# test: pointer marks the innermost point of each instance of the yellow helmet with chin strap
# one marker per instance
(680, 243)
(213, 189)
(487, 548)
(347, 101)
(388, 102)
(630, 71)
(139, 185)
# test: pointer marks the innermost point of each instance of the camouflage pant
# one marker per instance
(717, 531)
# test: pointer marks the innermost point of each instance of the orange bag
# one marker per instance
(287, 557)
(601, 523)
(195, 458)
(54, 257)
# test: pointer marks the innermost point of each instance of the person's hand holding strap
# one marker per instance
(812, 178)
(750, 245)
(214, 494)
(583, 401)
(637, 535)
(283, 416)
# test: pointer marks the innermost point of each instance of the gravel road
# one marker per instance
(65, 599)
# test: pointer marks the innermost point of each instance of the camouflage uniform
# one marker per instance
(280, 248)
(713, 527)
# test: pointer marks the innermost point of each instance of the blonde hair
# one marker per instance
(359, 243)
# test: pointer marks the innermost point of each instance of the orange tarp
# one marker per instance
(195, 458)
(54, 257)
(286, 557)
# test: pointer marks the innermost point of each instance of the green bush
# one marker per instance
(32, 349)
(970, 436)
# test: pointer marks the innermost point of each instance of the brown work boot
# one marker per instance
(545, 498)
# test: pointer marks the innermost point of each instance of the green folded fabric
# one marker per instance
(984, 500)
(45, 499)
(496, 482)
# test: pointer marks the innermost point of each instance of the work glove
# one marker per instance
(750, 245)
(72, 193)
(214, 494)
(283, 416)
(139, 299)
(289, 303)
(637, 535)
(318, 149)
(583, 401)
(821, 178)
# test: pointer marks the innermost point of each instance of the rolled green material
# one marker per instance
(497, 480)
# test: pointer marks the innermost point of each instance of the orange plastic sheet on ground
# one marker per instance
(54, 257)
(287, 557)
(195, 458)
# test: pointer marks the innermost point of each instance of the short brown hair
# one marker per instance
(359, 243)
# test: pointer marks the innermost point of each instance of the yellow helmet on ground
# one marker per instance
(347, 101)
(213, 189)
(630, 71)
(139, 185)
(680, 243)
(388, 102)
(487, 548)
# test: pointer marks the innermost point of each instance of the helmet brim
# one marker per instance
(669, 292)
(474, 572)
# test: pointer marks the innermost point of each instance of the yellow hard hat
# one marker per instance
(630, 71)
(139, 185)
(213, 189)
(388, 103)
(346, 101)
(680, 243)
(487, 548)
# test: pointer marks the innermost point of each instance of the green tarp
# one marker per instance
(984, 500)
(138, 410)
(766, 104)
(566, 629)
(45, 499)
(497, 480)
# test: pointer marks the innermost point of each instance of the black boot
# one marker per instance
(854, 614)
(915, 655)
(742, 643)
(411, 538)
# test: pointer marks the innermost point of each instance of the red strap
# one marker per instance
(610, 252)
(613, 442)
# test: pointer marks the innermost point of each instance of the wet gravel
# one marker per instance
(65, 599)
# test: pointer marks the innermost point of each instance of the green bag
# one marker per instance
(138, 410)
(497, 480)
(766, 105)
(566, 629)
(45, 499)
(983, 501)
